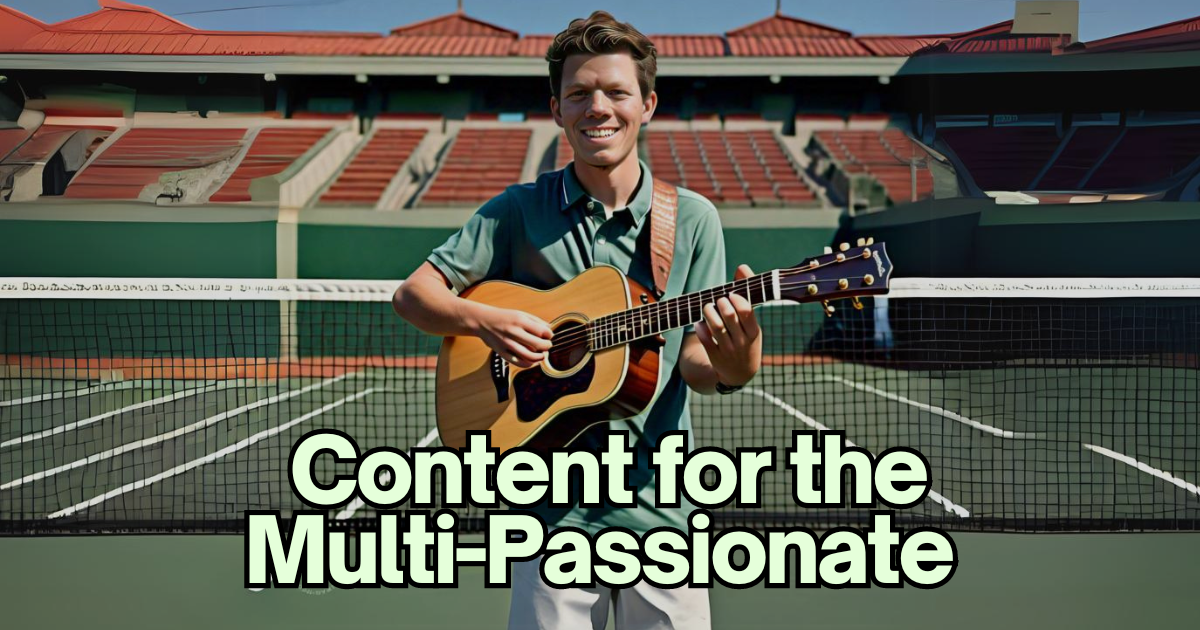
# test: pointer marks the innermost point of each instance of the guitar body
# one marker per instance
(550, 404)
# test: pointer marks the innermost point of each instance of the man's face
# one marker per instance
(601, 107)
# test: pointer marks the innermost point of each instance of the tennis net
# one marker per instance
(172, 404)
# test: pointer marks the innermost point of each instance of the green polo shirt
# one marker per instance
(545, 233)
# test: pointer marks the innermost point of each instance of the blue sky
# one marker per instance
(1098, 18)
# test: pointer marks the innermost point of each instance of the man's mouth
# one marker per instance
(599, 133)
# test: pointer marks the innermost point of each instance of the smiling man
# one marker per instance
(596, 211)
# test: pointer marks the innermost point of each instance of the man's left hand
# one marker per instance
(730, 334)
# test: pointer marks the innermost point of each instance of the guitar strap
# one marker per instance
(663, 208)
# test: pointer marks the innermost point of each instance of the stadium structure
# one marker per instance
(132, 144)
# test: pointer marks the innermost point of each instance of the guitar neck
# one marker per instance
(656, 318)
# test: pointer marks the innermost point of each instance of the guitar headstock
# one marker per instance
(849, 272)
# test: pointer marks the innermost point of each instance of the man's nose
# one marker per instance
(599, 106)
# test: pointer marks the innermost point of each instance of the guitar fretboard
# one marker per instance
(659, 317)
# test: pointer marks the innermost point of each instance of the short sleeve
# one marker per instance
(480, 250)
(707, 268)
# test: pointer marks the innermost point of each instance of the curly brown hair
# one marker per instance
(602, 34)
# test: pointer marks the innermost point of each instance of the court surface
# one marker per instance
(1015, 444)
(218, 445)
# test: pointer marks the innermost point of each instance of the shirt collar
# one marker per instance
(572, 192)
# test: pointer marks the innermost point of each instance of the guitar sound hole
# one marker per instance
(570, 346)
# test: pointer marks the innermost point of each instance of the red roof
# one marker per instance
(780, 25)
(1190, 25)
(796, 47)
(440, 46)
(898, 46)
(115, 16)
(689, 45)
(532, 45)
(16, 27)
(667, 45)
(998, 38)
(122, 28)
(457, 24)
(1181, 35)
(198, 43)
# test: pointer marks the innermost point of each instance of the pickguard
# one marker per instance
(537, 391)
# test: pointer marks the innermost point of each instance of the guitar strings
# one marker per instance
(615, 322)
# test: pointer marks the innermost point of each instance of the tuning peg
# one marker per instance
(828, 250)
(841, 257)
(828, 308)
(843, 284)
(868, 279)
(857, 305)
(843, 247)
(870, 240)
(861, 242)
(812, 289)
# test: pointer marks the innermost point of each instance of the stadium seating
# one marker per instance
(272, 151)
(31, 171)
(1139, 156)
(480, 163)
(142, 156)
(736, 168)
(564, 154)
(10, 139)
(1083, 149)
(1147, 155)
(367, 176)
(888, 155)
(1002, 158)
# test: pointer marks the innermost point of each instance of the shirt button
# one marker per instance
(591, 205)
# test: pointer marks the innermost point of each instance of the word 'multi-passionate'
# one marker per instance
(420, 546)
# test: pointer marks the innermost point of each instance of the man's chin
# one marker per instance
(603, 160)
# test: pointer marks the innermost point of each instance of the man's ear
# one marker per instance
(650, 104)
(556, 111)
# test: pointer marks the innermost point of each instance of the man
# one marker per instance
(543, 234)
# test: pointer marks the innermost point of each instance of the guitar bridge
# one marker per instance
(500, 377)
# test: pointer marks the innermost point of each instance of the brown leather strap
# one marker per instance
(663, 209)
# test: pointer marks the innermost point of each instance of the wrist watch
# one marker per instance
(723, 389)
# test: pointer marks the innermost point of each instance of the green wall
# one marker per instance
(978, 238)
(328, 251)
(364, 253)
(135, 249)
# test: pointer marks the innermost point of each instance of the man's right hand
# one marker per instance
(518, 337)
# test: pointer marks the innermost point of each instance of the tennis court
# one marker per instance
(196, 581)
(169, 451)
(1069, 423)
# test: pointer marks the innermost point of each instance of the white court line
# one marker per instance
(33, 437)
(945, 413)
(162, 437)
(1125, 459)
(385, 478)
(1146, 468)
(211, 457)
(68, 393)
(949, 505)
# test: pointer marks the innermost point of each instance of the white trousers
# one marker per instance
(539, 606)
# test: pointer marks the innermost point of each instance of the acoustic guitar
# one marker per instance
(603, 364)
